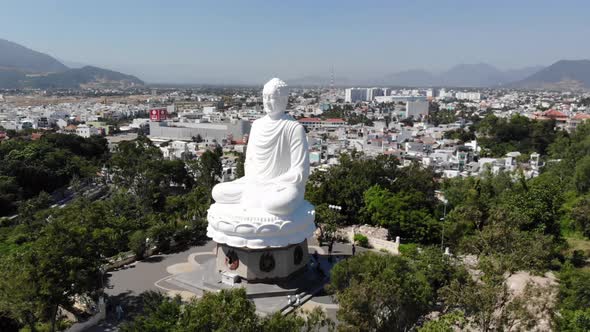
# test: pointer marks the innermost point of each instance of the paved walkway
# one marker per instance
(124, 285)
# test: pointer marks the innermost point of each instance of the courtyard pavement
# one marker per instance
(124, 285)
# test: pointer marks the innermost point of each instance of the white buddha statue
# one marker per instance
(277, 160)
(265, 208)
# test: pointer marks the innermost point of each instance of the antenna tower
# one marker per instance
(332, 78)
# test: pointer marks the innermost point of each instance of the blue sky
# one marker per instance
(250, 41)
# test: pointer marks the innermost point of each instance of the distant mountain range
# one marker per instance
(21, 67)
(564, 74)
(463, 75)
(16, 57)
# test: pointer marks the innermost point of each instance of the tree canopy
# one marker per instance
(228, 310)
(498, 136)
(29, 167)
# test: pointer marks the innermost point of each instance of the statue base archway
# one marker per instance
(267, 264)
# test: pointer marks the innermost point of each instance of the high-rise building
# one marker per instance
(352, 95)
(374, 92)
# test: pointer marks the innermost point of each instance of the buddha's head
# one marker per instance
(275, 97)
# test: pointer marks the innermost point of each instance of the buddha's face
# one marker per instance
(275, 97)
(274, 104)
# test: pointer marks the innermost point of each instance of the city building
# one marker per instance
(416, 109)
(317, 123)
(87, 130)
(186, 131)
(473, 96)
(353, 95)
(374, 92)
(576, 120)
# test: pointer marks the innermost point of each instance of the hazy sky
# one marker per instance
(251, 41)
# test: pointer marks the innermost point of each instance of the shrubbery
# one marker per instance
(361, 240)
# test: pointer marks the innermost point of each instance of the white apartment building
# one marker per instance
(474, 96)
(86, 131)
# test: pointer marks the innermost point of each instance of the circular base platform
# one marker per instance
(236, 226)
(262, 264)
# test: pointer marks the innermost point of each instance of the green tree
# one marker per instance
(574, 300)
(161, 234)
(436, 116)
(402, 213)
(20, 289)
(445, 323)
(160, 313)
(344, 184)
(132, 161)
(28, 210)
(241, 161)
(138, 243)
(581, 215)
(62, 262)
(228, 310)
(582, 175)
(28, 167)
(327, 220)
(10, 192)
(224, 311)
(208, 168)
(505, 245)
(499, 136)
(379, 292)
(489, 305)
(460, 134)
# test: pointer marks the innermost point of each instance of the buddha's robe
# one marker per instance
(276, 168)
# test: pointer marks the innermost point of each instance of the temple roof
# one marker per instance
(552, 113)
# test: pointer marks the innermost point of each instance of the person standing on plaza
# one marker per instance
(119, 311)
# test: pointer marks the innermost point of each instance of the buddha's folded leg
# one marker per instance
(282, 200)
(228, 192)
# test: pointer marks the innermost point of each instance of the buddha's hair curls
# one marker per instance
(276, 86)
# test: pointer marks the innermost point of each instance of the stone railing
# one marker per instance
(126, 258)
(375, 242)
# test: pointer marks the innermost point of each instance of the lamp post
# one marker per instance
(147, 246)
(440, 195)
(102, 279)
(442, 233)
(102, 270)
(335, 207)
